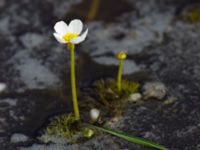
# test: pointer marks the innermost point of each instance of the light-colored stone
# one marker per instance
(135, 97)
(2, 87)
(155, 90)
(94, 114)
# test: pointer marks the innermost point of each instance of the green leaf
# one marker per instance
(129, 138)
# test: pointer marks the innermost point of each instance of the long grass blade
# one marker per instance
(132, 139)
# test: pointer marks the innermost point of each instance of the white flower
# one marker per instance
(70, 33)
(94, 114)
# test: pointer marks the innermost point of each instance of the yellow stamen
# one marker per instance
(69, 36)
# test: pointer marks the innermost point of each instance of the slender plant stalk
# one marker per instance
(71, 47)
(119, 76)
(93, 9)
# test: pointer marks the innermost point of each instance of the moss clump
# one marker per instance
(109, 95)
(192, 15)
(64, 127)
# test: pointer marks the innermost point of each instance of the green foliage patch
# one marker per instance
(109, 95)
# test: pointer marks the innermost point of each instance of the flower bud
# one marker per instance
(121, 55)
(88, 133)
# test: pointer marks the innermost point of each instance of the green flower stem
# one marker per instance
(119, 76)
(71, 47)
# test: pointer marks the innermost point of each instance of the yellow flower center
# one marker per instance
(69, 36)
(121, 55)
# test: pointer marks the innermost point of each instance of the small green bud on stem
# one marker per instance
(121, 56)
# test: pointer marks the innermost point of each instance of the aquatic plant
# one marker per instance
(121, 56)
(70, 35)
(108, 91)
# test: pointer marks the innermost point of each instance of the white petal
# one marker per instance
(59, 38)
(75, 26)
(79, 39)
(61, 28)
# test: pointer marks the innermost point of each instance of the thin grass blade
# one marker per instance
(132, 139)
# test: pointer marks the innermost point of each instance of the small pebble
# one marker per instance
(2, 87)
(94, 114)
(135, 97)
(155, 90)
(169, 101)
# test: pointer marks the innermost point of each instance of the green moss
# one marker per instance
(62, 126)
(109, 95)
(66, 127)
(192, 15)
